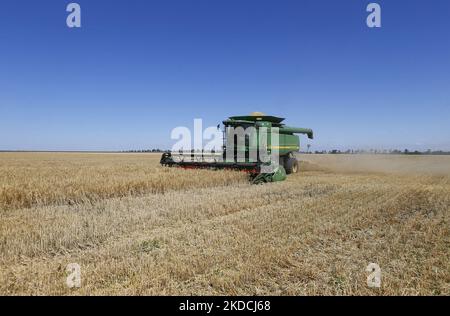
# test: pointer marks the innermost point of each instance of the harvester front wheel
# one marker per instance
(291, 165)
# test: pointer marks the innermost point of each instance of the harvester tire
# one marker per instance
(291, 165)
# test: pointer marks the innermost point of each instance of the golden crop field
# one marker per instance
(137, 228)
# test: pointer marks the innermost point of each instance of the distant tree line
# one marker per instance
(154, 150)
(380, 152)
(334, 151)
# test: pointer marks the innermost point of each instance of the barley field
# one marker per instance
(136, 228)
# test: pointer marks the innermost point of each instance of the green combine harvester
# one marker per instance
(242, 151)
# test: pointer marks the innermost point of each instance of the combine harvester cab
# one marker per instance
(252, 144)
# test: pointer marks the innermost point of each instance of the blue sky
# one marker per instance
(137, 69)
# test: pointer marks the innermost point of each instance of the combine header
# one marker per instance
(258, 144)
